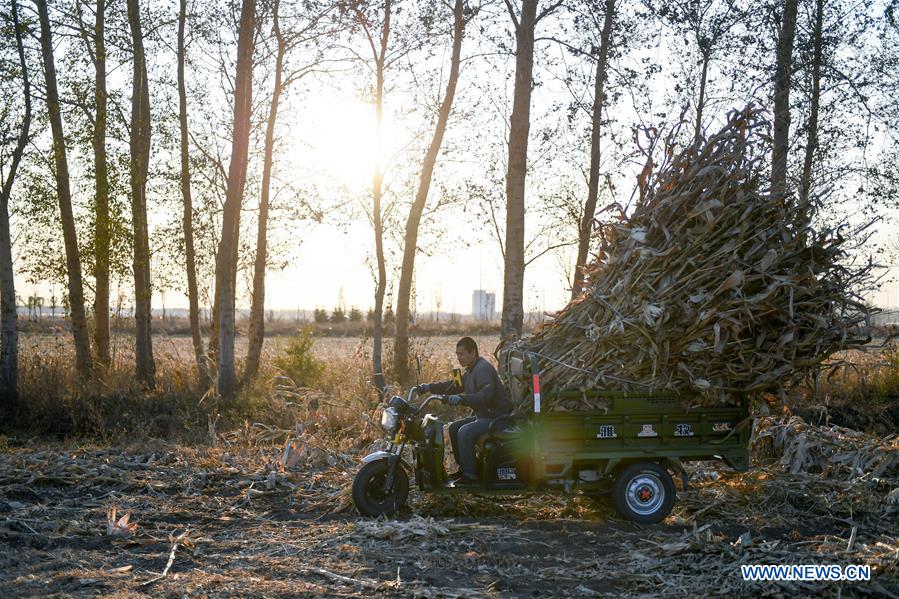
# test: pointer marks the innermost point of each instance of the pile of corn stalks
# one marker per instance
(713, 286)
(834, 452)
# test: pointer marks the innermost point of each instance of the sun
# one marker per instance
(345, 145)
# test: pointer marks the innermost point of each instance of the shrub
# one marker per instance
(320, 315)
(338, 315)
(885, 381)
(297, 361)
(355, 315)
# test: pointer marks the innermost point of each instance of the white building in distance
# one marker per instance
(483, 304)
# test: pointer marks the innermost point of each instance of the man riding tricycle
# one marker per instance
(630, 450)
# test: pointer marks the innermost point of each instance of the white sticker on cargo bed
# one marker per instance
(506, 473)
(606, 431)
(647, 431)
(721, 427)
(683, 430)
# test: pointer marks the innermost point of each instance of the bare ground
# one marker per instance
(233, 521)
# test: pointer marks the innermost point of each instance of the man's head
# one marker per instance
(467, 352)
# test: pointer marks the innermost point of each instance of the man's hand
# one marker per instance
(454, 400)
(423, 388)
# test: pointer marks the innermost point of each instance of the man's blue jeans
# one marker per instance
(463, 435)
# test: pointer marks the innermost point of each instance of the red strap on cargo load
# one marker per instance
(536, 393)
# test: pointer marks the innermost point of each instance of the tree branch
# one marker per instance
(512, 13)
(547, 250)
(549, 10)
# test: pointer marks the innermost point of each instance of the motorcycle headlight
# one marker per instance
(388, 420)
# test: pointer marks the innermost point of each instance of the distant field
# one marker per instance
(179, 348)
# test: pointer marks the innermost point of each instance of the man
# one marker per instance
(482, 391)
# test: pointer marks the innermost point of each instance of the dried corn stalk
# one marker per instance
(833, 451)
(711, 287)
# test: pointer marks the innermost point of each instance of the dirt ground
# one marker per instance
(239, 520)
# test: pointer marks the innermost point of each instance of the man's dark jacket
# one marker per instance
(482, 390)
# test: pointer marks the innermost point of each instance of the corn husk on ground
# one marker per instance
(235, 521)
(835, 452)
(711, 287)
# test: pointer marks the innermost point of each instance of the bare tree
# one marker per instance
(140, 163)
(805, 177)
(380, 54)
(101, 203)
(188, 217)
(295, 35)
(585, 231)
(524, 23)
(225, 276)
(95, 46)
(783, 71)
(707, 23)
(257, 309)
(83, 362)
(9, 334)
(401, 345)
(378, 46)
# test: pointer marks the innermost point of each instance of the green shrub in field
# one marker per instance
(297, 361)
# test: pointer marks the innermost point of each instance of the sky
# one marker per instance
(329, 135)
(333, 262)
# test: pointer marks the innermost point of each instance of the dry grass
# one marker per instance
(856, 391)
(114, 406)
(870, 377)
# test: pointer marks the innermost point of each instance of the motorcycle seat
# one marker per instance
(505, 433)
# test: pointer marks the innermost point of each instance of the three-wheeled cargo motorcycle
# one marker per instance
(630, 450)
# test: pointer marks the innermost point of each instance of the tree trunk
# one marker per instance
(101, 195)
(519, 128)
(237, 172)
(257, 309)
(83, 363)
(189, 252)
(9, 332)
(212, 351)
(377, 184)
(140, 162)
(700, 102)
(805, 180)
(782, 98)
(586, 228)
(401, 343)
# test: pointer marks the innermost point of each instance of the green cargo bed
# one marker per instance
(634, 427)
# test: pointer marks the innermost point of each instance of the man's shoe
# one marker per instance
(466, 481)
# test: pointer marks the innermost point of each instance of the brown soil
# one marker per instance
(255, 528)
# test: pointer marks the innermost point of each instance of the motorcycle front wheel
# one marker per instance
(371, 497)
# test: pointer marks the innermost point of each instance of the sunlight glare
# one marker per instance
(345, 142)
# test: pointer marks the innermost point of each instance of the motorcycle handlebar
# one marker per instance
(441, 398)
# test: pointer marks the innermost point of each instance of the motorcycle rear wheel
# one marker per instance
(369, 495)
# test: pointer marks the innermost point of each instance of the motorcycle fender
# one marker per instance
(385, 455)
